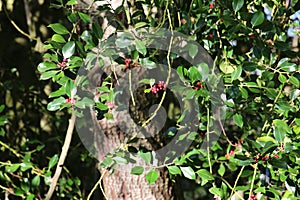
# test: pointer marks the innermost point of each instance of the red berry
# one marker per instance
(127, 63)
(253, 197)
(211, 6)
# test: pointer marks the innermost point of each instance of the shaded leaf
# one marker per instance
(137, 170)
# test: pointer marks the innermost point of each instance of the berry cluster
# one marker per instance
(127, 63)
(230, 154)
(265, 158)
(156, 87)
(71, 100)
(63, 64)
(253, 197)
(198, 85)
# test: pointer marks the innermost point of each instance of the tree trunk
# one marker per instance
(121, 184)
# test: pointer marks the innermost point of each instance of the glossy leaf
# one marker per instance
(258, 18)
(55, 104)
(237, 5)
(140, 47)
(174, 170)
(53, 161)
(59, 28)
(280, 130)
(188, 172)
(84, 17)
(236, 73)
(238, 120)
(68, 49)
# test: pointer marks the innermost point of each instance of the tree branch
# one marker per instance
(62, 157)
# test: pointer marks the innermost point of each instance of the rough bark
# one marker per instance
(108, 135)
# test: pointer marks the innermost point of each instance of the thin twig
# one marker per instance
(62, 157)
(208, 146)
(100, 185)
(11, 149)
(230, 187)
(237, 179)
(17, 27)
(130, 88)
(223, 131)
(253, 179)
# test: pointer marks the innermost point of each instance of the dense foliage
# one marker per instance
(251, 44)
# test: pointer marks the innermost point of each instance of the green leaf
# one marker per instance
(12, 168)
(227, 67)
(97, 30)
(203, 70)
(48, 74)
(189, 94)
(120, 160)
(36, 181)
(221, 169)
(236, 73)
(25, 166)
(266, 139)
(137, 170)
(174, 170)
(194, 74)
(238, 120)
(87, 101)
(146, 62)
(237, 5)
(287, 66)
(146, 156)
(258, 18)
(188, 172)
(216, 191)
(58, 38)
(53, 161)
(294, 81)
(2, 132)
(71, 2)
(58, 28)
(193, 50)
(152, 176)
(107, 162)
(140, 24)
(86, 18)
(140, 47)
(280, 130)
(68, 49)
(61, 91)
(282, 78)
(205, 176)
(30, 197)
(2, 108)
(55, 104)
